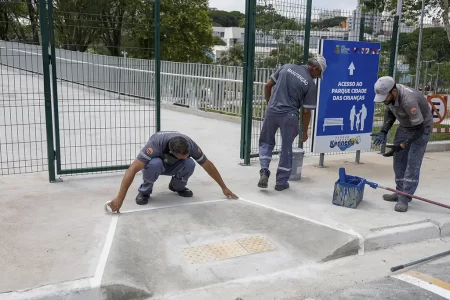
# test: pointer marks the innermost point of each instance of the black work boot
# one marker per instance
(390, 197)
(280, 187)
(264, 178)
(187, 193)
(142, 199)
(401, 206)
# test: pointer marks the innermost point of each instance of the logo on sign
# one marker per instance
(342, 49)
(345, 143)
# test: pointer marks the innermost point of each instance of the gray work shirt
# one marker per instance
(158, 146)
(294, 88)
(411, 108)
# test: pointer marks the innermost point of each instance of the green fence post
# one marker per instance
(362, 25)
(47, 91)
(244, 80)
(394, 42)
(250, 77)
(305, 60)
(157, 38)
(54, 87)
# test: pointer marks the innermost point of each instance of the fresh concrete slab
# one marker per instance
(338, 279)
(148, 253)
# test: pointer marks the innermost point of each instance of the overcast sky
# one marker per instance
(239, 5)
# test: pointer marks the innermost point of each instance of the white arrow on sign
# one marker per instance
(352, 68)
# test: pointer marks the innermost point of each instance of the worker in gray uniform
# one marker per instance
(167, 153)
(293, 88)
(410, 108)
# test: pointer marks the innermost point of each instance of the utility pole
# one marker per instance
(419, 51)
(437, 78)
(426, 73)
(399, 14)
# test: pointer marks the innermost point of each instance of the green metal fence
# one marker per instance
(22, 103)
(289, 31)
(66, 109)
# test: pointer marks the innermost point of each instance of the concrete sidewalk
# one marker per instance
(54, 233)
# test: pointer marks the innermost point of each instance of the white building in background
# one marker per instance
(230, 35)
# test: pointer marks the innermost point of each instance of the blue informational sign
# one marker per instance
(345, 110)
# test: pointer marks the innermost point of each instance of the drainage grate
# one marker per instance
(227, 249)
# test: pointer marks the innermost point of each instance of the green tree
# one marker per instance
(218, 41)
(112, 22)
(186, 31)
(412, 9)
(285, 54)
(234, 56)
(19, 20)
(77, 23)
(226, 19)
(435, 45)
(268, 19)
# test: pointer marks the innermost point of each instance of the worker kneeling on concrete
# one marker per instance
(410, 108)
(293, 88)
(171, 154)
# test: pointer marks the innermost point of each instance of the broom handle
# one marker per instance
(415, 197)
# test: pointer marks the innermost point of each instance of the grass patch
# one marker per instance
(435, 137)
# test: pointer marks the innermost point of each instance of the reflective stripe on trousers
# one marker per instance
(288, 125)
(407, 163)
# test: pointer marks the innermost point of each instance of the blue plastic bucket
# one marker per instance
(348, 190)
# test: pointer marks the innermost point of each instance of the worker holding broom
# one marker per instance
(410, 108)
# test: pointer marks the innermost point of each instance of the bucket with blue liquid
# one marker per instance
(348, 190)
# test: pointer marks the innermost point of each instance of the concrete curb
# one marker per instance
(445, 228)
(407, 234)
(438, 147)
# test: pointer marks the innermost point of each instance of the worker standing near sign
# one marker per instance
(410, 108)
(294, 88)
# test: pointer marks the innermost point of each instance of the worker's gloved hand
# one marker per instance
(380, 138)
(394, 149)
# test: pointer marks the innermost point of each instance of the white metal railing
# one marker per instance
(197, 86)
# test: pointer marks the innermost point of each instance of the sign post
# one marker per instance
(345, 110)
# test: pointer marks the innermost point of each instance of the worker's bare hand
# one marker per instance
(229, 194)
(305, 137)
(116, 204)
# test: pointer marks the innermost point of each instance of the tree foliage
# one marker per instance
(268, 20)
(435, 45)
(111, 26)
(19, 20)
(412, 10)
(227, 19)
(234, 56)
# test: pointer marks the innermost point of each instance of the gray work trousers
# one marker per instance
(288, 125)
(180, 172)
(407, 163)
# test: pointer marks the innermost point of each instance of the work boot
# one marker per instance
(187, 193)
(264, 178)
(281, 187)
(401, 206)
(142, 199)
(391, 197)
